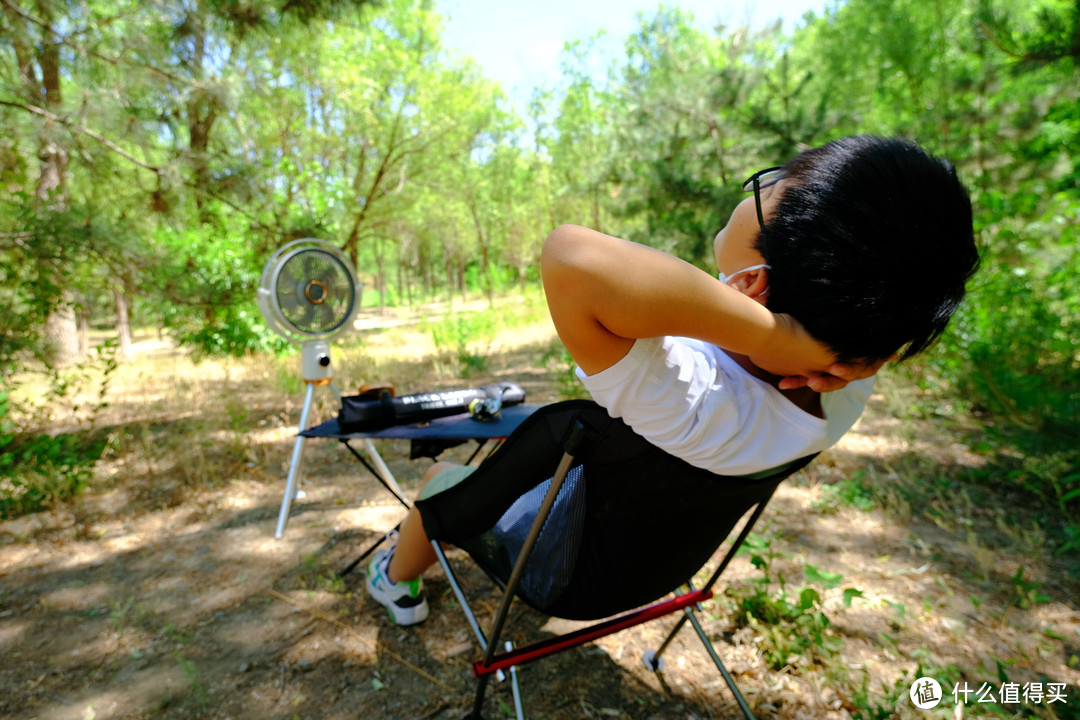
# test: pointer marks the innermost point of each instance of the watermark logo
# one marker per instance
(925, 693)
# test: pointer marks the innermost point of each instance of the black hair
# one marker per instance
(871, 246)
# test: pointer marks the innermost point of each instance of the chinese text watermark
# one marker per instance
(927, 693)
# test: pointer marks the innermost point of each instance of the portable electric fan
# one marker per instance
(309, 294)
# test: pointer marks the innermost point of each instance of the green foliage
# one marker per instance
(236, 330)
(194, 677)
(789, 622)
(869, 707)
(465, 338)
(39, 469)
(850, 492)
(682, 141)
(39, 268)
(558, 361)
(45, 470)
(1018, 362)
(1038, 35)
(881, 703)
(1026, 592)
(28, 291)
(208, 281)
(1020, 359)
(315, 573)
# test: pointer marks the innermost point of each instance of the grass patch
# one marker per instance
(855, 492)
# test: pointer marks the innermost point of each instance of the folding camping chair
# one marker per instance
(568, 512)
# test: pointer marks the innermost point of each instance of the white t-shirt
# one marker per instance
(694, 401)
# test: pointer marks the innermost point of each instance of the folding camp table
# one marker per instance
(428, 439)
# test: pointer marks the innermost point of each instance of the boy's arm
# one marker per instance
(604, 293)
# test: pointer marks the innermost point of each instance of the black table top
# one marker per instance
(453, 427)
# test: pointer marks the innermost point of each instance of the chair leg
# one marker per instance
(577, 442)
(519, 566)
(515, 576)
(514, 687)
(460, 595)
(719, 665)
(653, 658)
(480, 637)
(654, 661)
(482, 689)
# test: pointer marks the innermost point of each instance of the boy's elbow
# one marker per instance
(559, 245)
(560, 252)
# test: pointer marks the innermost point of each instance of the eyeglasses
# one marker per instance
(762, 179)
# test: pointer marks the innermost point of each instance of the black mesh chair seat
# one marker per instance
(631, 524)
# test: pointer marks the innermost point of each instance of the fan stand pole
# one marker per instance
(292, 485)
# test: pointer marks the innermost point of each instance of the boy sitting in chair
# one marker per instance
(850, 255)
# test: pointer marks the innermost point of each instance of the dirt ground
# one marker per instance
(162, 593)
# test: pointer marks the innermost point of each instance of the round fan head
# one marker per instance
(309, 290)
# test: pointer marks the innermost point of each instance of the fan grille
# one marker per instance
(315, 291)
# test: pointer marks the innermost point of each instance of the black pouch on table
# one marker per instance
(380, 409)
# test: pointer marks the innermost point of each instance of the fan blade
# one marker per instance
(307, 320)
(341, 288)
(342, 305)
(293, 271)
(340, 313)
(314, 264)
(314, 319)
(289, 301)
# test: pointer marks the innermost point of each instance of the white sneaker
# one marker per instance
(404, 601)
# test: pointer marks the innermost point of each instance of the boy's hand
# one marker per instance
(839, 375)
(805, 362)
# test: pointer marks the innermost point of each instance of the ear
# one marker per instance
(753, 284)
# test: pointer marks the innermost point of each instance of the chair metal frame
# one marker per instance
(509, 660)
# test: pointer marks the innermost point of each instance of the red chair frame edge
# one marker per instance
(544, 648)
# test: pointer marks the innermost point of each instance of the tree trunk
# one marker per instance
(82, 319)
(123, 328)
(61, 334)
(61, 331)
(380, 277)
(52, 182)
